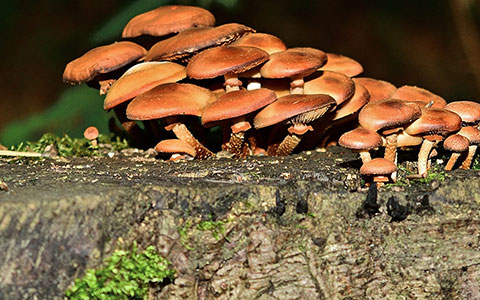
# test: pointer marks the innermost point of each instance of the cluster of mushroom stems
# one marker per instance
(181, 78)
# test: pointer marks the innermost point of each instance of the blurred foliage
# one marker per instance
(67, 146)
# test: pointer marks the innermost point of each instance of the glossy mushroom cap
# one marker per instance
(171, 99)
(469, 111)
(435, 123)
(91, 133)
(360, 139)
(175, 146)
(456, 143)
(471, 133)
(236, 104)
(418, 95)
(101, 60)
(267, 42)
(220, 61)
(378, 167)
(168, 19)
(359, 99)
(342, 64)
(295, 108)
(141, 78)
(378, 89)
(191, 41)
(293, 62)
(388, 114)
(335, 84)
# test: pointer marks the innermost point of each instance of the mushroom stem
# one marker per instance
(423, 156)
(451, 162)
(234, 145)
(232, 83)
(468, 160)
(296, 85)
(365, 156)
(288, 144)
(391, 147)
(182, 133)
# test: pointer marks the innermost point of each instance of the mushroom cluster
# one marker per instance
(175, 78)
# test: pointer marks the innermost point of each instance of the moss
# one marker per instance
(78, 147)
(125, 275)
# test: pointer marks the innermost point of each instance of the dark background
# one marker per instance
(433, 44)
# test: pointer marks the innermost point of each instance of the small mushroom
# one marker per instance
(457, 144)
(177, 148)
(335, 84)
(267, 42)
(342, 64)
(473, 135)
(91, 134)
(361, 140)
(378, 170)
(378, 89)
(419, 95)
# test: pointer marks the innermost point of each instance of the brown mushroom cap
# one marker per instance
(378, 167)
(91, 133)
(267, 42)
(170, 99)
(471, 133)
(101, 60)
(335, 84)
(435, 122)
(359, 99)
(419, 95)
(220, 61)
(388, 114)
(292, 62)
(456, 143)
(141, 78)
(360, 139)
(168, 19)
(191, 41)
(291, 106)
(342, 64)
(378, 89)
(235, 104)
(175, 146)
(469, 111)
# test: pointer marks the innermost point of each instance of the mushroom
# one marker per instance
(91, 134)
(170, 101)
(419, 95)
(267, 42)
(294, 63)
(225, 61)
(191, 41)
(335, 84)
(233, 107)
(434, 125)
(469, 111)
(342, 64)
(378, 89)
(361, 140)
(177, 148)
(378, 170)
(457, 144)
(98, 65)
(166, 20)
(298, 110)
(473, 136)
(388, 116)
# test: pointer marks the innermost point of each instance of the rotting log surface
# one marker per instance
(62, 216)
